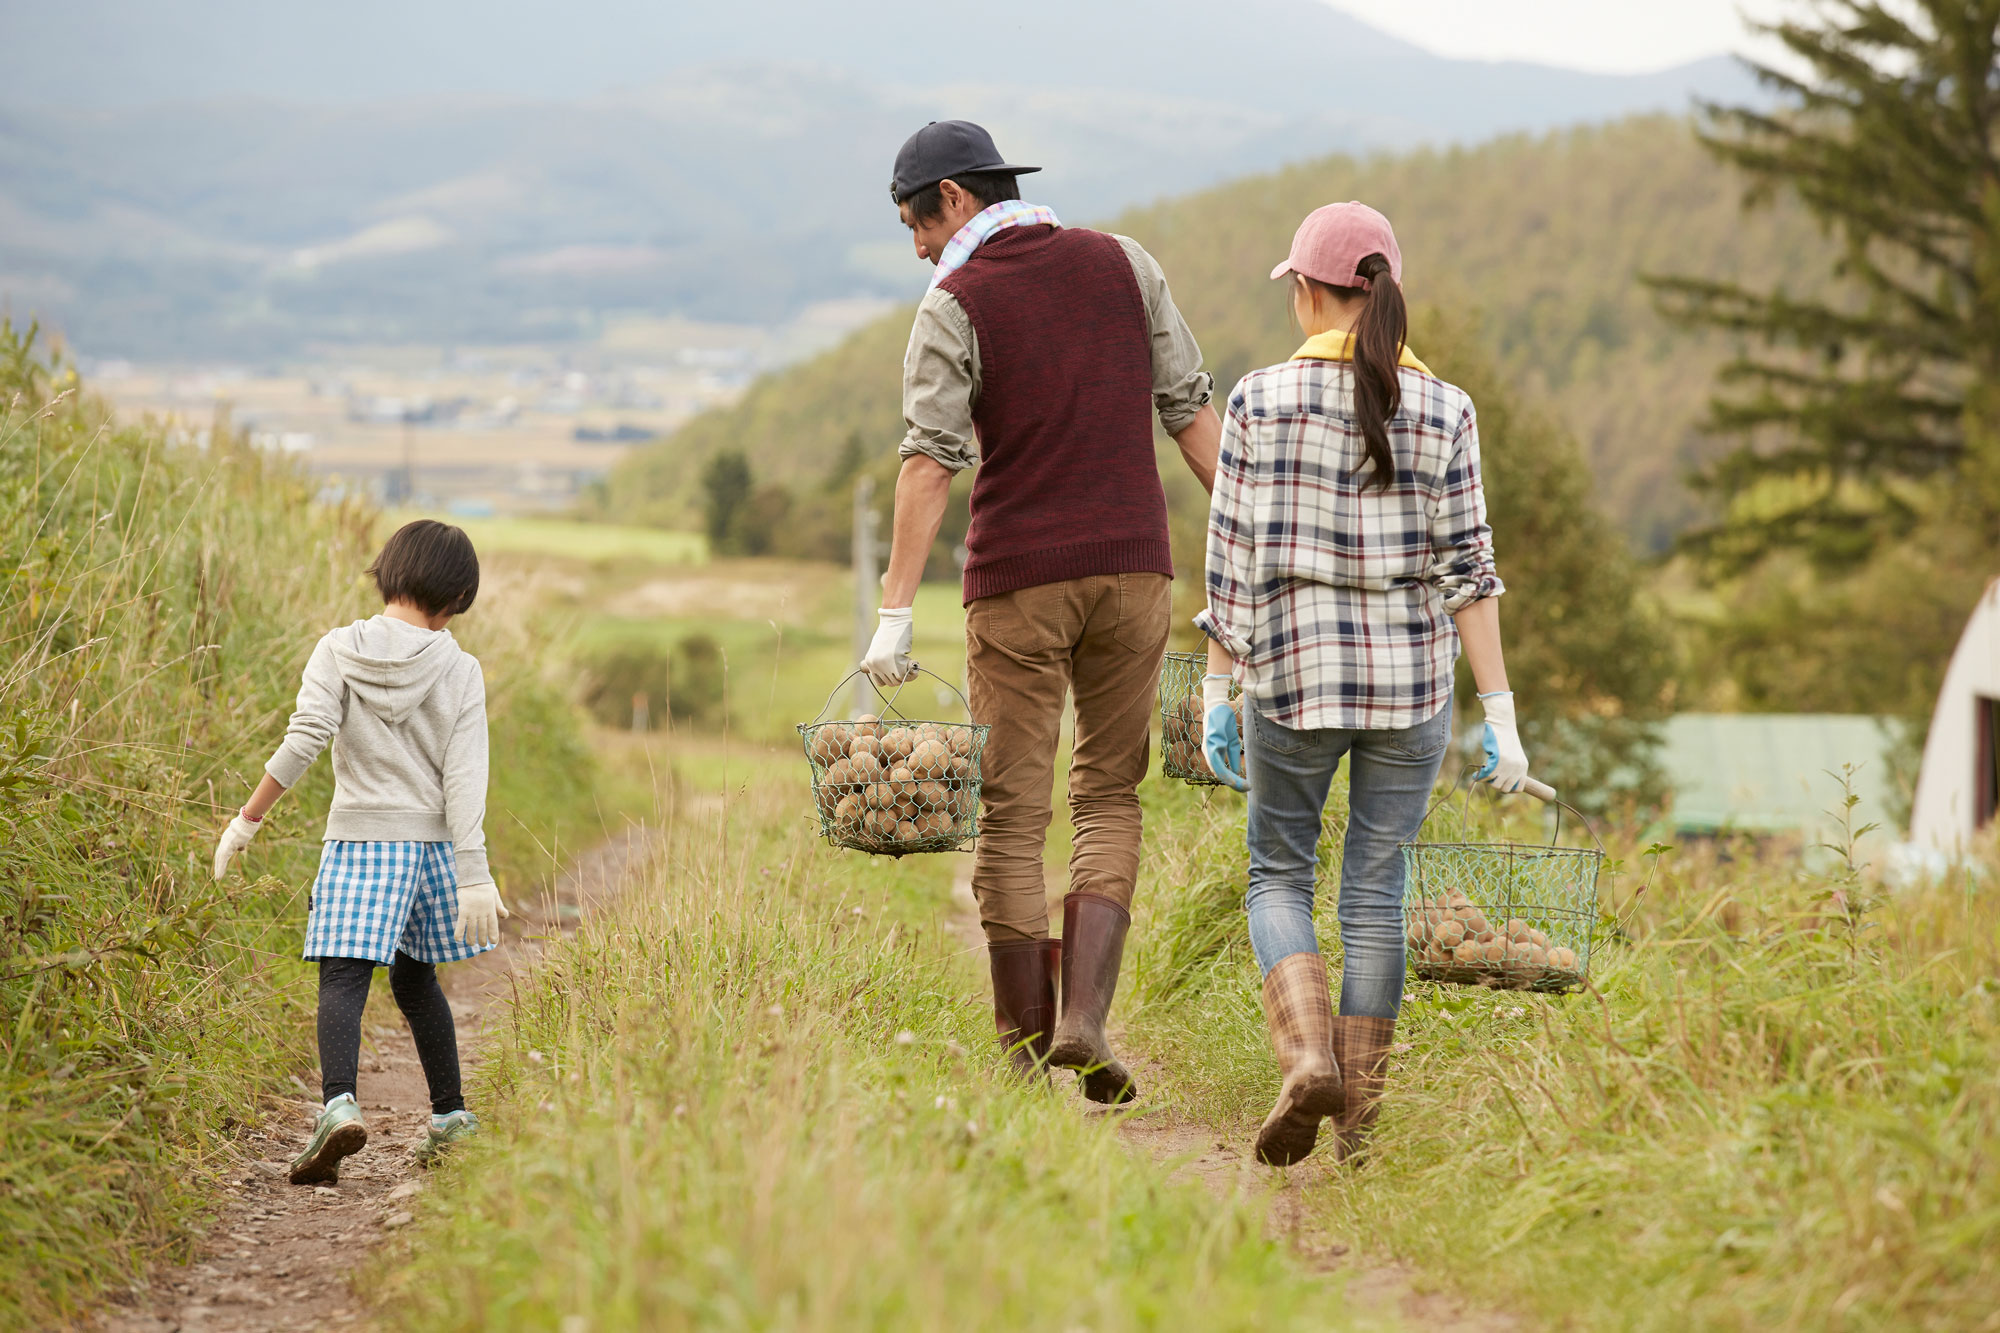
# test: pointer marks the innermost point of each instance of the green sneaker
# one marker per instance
(444, 1131)
(337, 1133)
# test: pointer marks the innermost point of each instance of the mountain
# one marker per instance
(1538, 243)
(227, 179)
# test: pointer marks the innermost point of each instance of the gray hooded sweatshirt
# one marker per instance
(409, 708)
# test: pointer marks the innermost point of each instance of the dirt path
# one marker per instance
(282, 1255)
(1219, 1158)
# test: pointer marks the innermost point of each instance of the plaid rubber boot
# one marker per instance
(1298, 1010)
(1362, 1047)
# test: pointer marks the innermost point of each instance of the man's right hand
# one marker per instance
(888, 661)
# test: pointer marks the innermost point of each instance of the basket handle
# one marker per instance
(1540, 790)
(889, 700)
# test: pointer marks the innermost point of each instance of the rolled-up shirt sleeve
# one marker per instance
(1181, 388)
(941, 383)
(1230, 616)
(1462, 568)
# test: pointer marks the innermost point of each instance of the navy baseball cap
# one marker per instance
(945, 148)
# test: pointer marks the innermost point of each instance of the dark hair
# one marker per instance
(988, 187)
(1379, 335)
(430, 564)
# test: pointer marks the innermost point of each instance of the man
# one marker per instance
(1041, 353)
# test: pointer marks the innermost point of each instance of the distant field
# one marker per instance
(580, 541)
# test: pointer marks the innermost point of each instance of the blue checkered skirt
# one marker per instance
(372, 898)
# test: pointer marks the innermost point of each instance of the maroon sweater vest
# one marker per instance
(1067, 483)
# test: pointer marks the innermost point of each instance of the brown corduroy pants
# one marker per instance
(1103, 638)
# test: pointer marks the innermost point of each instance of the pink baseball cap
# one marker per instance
(1331, 243)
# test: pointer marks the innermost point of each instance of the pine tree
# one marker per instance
(1863, 416)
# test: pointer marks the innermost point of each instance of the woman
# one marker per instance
(1348, 557)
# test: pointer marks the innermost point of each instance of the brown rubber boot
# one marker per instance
(1361, 1045)
(1093, 946)
(1298, 1009)
(1024, 1000)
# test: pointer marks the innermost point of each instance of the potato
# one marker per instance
(1475, 921)
(960, 768)
(1538, 939)
(930, 759)
(1515, 929)
(935, 823)
(865, 767)
(897, 743)
(1450, 934)
(867, 745)
(959, 741)
(1494, 951)
(1519, 952)
(879, 796)
(1562, 960)
(906, 830)
(1467, 952)
(847, 813)
(839, 774)
(879, 824)
(829, 743)
(867, 726)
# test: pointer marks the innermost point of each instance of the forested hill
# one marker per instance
(1540, 241)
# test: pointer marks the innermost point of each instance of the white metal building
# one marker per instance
(1958, 787)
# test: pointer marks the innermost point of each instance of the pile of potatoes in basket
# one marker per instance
(1181, 735)
(1451, 940)
(886, 786)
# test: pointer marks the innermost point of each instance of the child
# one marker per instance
(402, 876)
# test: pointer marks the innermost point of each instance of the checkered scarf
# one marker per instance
(1006, 213)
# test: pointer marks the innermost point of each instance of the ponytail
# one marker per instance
(1379, 336)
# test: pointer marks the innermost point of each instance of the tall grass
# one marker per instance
(156, 605)
(763, 1095)
(1779, 1108)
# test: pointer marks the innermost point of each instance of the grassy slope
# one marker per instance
(1543, 240)
(1765, 1120)
(156, 608)
(761, 1096)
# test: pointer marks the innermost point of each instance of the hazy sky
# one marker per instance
(1621, 36)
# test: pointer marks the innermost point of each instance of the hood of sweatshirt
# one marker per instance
(392, 666)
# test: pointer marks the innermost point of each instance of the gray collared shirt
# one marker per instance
(941, 368)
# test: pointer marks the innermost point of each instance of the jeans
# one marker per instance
(1390, 777)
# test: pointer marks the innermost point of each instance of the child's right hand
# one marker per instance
(234, 839)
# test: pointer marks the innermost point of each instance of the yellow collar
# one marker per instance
(1334, 345)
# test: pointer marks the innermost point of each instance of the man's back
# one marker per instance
(1067, 485)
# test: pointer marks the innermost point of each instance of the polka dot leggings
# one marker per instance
(343, 990)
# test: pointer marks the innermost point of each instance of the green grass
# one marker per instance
(1768, 1116)
(763, 1096)
(156, 605)
(571, 539)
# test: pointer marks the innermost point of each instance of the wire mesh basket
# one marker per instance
(1180, 718)
(895, 785)
(1512, 916)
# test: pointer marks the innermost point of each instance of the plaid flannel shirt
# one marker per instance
(1334, 598)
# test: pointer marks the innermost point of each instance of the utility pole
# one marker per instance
(867, 584)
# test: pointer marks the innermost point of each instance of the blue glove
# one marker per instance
(1221, 735)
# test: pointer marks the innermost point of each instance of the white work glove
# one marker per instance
(888, 661)
(234, 839)
(479, 913)
(1506, 762)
